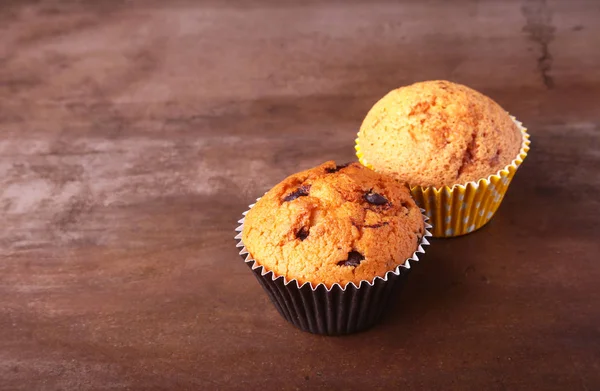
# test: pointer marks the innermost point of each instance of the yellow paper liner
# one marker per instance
(461, 209)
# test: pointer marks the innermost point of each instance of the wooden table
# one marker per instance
(133, 134)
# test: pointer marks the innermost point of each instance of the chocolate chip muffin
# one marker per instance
(438, 133)
(334, 224)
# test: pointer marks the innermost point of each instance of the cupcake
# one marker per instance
(329, 244)
(456, 148)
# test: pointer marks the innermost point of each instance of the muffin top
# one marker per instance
(334, 224)
(438, 133)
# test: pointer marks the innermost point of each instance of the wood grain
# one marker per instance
(133, 135)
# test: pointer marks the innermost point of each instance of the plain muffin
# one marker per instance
(334, 225)
(438, 133)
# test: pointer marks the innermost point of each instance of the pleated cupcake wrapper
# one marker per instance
(462, 209)
(338, 310)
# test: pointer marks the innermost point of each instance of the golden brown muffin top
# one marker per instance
(437, 133)
(334, 224)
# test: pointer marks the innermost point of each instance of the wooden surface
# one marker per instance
(133, 134)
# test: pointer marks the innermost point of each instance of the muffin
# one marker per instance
(455, 147)
(326, 237)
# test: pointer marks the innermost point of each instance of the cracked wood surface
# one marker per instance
(133, 134)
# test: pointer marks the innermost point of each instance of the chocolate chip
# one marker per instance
(300, 192)
(378, 225)
(302, 233)
(354, 258)
(375, 198)
(330, 170)
(496, 159)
